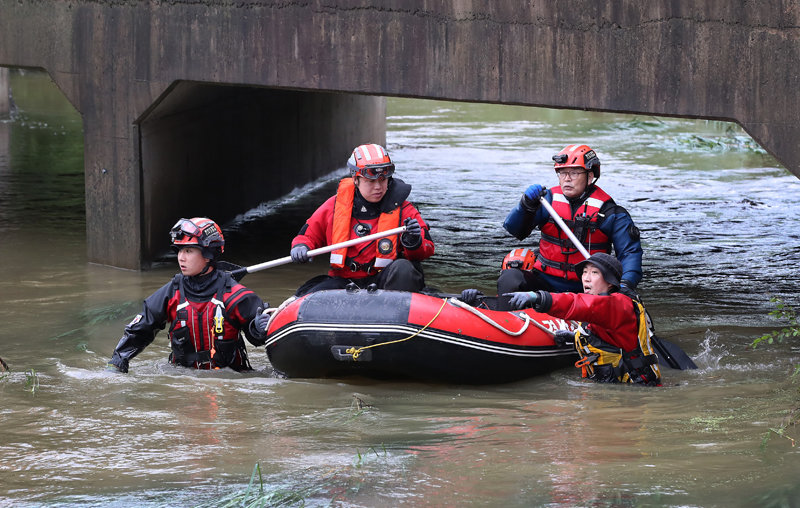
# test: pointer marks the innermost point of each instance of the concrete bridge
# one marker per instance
(210, 107)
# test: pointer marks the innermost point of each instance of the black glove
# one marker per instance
(564, 338)
(412, 238)
(470, 296)
(300, 253)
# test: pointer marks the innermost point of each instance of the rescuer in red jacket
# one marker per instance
(206, 308)
(616, 346)
(369, 201)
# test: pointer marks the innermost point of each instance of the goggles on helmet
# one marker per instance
(184, 228)
(373, 172)
(370, 161)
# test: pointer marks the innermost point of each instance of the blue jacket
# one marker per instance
(615, 222)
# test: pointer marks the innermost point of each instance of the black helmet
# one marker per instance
(608, 265)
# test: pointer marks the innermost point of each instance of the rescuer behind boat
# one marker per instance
(616, 346)
(368, 201)
(206, 307)
(589, 212)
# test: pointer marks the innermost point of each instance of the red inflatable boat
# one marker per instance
(394, 334)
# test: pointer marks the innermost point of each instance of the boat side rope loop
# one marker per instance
(356, 352)
(524, 317)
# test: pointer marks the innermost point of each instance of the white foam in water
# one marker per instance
(268, 207)
(711, 352)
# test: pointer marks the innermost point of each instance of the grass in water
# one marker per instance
(31, 381)
(333, 483)
(791, 332)
(256, 496)
(360, 458)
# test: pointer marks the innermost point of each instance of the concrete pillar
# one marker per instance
(5, 91)
(5, 142)
(5, 110)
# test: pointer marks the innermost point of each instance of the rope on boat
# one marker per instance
(526, 318)
(356, 351)
(540, 326)
(274, 311)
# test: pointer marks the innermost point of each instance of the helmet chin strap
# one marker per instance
(209, 267)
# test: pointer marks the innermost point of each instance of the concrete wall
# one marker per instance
(115, 60)
(5, 90)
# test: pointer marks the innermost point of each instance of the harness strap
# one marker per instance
(355, 266)
(563, 266)
(640, 361)
(199, 357)
(566, 243)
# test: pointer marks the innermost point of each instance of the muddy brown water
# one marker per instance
(719, 222)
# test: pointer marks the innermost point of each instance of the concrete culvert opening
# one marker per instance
(220, 150)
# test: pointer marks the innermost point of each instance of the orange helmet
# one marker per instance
(200, 232)
(370, 161)
(578, 156)
(519, 258)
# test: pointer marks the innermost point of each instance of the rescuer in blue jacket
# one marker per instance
(589, 212)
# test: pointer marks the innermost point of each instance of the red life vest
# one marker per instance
(200, 335)
(385, 248)
(557, 254)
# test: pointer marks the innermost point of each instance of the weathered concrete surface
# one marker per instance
(5, 101)
(114, 58)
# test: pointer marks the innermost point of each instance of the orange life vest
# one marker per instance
(385, 248)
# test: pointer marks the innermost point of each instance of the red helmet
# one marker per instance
(519, 258)
(578, 156)
(370, 161)
(201, 232)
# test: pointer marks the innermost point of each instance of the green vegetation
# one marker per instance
(330, 483)
(31, 377)
(256, 496)
(790, 332)
(360, 458)
(333, 483)
(31, 381)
